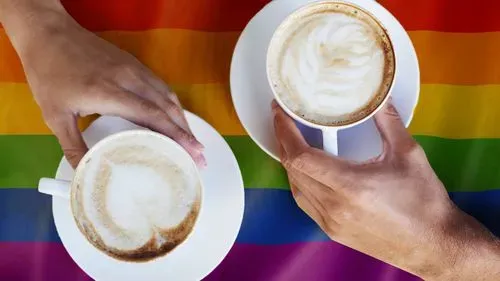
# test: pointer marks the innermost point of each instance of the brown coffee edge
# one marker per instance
(149, 250)
(386, 45)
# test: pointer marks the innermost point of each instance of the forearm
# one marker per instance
(483, 264)
(480, 262)
(26, 21)
(466, 251)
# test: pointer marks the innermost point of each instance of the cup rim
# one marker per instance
(305, 121)
(112, 137)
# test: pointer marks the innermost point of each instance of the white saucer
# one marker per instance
(252, 95)
(212, 238)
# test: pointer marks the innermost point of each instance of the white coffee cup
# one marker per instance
(330, 132)
(162, 146)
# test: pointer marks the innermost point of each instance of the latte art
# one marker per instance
(334, 64)
(134, 202)
(330, 63)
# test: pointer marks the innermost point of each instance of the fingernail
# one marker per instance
(201, 162)
(200, 146)
(274, 104)
(295, 191)
(197, 145)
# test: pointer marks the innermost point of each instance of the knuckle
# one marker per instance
(173, 96)
(187, 137)
(295, 192)
(287, 163)
(171, 107)
(301, 160)
(126, 72)
(95, 84)
(54, 120)
(149, 108)
(412, 149)
(391, 111)
(329, 226)
(181, 135)
(73, 155)
(408, 156)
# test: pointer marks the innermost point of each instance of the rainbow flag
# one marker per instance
(189, 44)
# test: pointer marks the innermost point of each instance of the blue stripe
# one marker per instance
(271, 216)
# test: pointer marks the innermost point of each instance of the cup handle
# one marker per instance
(58, 188)
(330, 142)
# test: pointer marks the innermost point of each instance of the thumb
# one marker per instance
(290, 139)
(392, 128)
(65, 128)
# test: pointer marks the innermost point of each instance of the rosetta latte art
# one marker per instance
(333, 64)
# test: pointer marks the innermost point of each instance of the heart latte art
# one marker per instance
(331, 63)
(134, 202)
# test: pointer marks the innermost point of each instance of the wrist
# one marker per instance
(480, 260)
(466, 250)
(26, 22)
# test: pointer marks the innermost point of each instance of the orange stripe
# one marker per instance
(193, 57)
(177, 56)
(11, 69)
(458, 58)
(207, 15)
(446, 15)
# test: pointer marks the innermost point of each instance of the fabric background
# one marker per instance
(189, 44)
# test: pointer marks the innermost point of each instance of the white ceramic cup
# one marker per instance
(330, 133)
(64, 189)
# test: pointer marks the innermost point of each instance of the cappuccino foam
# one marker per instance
(134, 201)
(331, 63)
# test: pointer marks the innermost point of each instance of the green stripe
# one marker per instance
(463, 165)
(25, 159)
(257, 168)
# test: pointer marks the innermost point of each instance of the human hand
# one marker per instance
(392, 207)
(74, 73)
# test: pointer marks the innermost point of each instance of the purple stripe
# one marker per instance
(41, 261)
(38, 261)
(316, 261)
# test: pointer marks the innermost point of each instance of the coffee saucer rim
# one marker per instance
(77, 245)
(264, 15)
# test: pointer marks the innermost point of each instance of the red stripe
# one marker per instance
(232, 15)
(206, 15)
(446, 15)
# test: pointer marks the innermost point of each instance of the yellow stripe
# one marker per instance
(459, 112)
(211, 102)
(19, 114)
(178, 56)
(444, 110)
(458, 58)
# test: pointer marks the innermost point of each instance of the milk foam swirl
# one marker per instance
(331, 65)
(136, 202)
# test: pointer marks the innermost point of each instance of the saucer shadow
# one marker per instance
(314, 137)
(358, 143)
